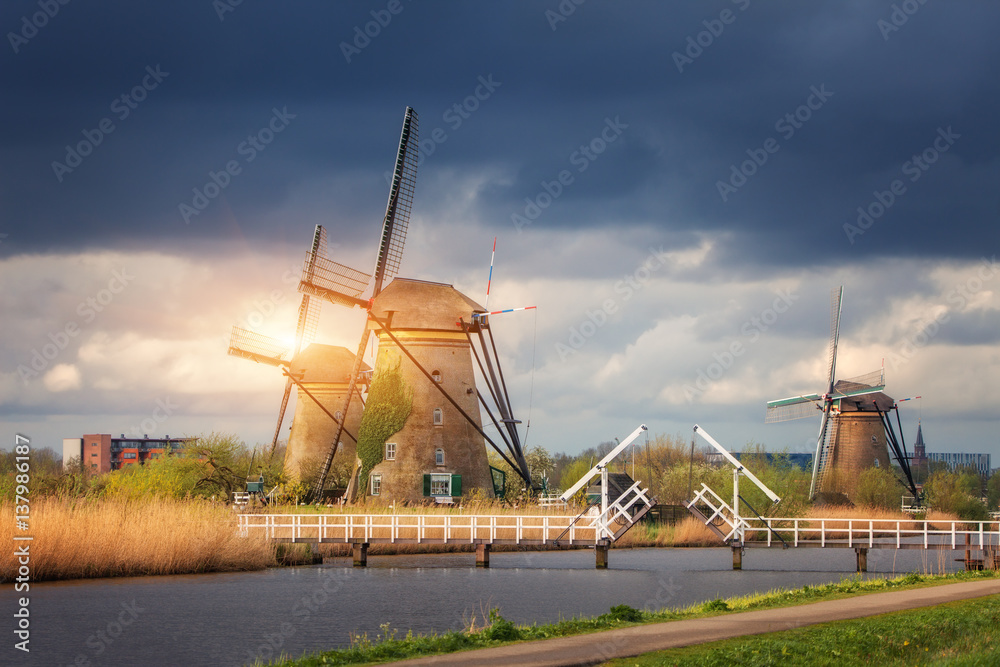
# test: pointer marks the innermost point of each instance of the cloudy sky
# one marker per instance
(676, 186)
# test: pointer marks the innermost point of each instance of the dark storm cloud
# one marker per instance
(678, 133)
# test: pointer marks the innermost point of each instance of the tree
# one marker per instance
(957, 492)
(993, 492)
(878, 488)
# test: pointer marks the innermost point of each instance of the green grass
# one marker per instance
(496, 630)
(958, 633)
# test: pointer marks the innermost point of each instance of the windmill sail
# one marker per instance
(258, 347)
(390, 254)
(397, 211)
(264, 349)
(822, 443)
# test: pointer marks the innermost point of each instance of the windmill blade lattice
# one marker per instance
(823, 441)
(397, 210)
(334, 282)
(258, 347)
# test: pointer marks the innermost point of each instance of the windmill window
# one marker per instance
(390, 451)
(436, 376)
(440, 485)
(439, 456)
(438, 416)
(338, 415)
(376, 484)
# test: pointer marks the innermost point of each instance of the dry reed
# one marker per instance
(80, 539)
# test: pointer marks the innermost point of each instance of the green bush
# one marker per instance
(877, 487)
(957, 492)
(717, 604)
(623, 613)
(500, 628)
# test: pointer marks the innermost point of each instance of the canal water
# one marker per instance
(233, 619)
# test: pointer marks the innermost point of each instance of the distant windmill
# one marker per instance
(852, 433)
(264, 349)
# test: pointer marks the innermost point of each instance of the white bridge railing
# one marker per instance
(421, 528)
(873, 533)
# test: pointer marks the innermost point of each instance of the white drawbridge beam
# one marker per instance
(602, 464)
(736, 463)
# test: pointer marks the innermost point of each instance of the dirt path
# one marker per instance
(595, 648)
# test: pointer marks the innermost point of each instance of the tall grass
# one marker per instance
(76, 538)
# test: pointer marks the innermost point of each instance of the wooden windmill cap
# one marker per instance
(419, 304)
(324, 363)
(863, 402)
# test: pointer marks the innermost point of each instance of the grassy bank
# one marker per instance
(80, 538)
(957, 633)
(495, 630)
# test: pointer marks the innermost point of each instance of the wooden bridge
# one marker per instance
(483, 531)
(740, 532)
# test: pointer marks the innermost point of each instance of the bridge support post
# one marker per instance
(862, 558)
(738, 558)
(360, 554)
(601, 554)
(482, 555)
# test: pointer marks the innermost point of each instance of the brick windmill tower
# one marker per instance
(852, 434)
(437, 452)
(322, 373)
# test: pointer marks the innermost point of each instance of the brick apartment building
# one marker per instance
(102, 453)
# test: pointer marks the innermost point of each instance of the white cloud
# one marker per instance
(62, 377)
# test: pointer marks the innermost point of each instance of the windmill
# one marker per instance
(432, 317)
(852, 432)
(264, 349)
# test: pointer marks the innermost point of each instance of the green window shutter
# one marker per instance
(427, 485)
(456, 485)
